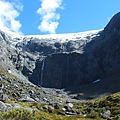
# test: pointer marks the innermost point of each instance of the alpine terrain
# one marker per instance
(73, 76)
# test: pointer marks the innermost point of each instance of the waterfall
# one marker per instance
(67, 71)
(43, 65)
(42, 69)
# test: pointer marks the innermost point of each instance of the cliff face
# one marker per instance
(63, 70)
(62, 61)
(27, 55)
(52, 44)
(106, 48)
(99, 59)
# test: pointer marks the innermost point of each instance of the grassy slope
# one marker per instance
(92, 109)
(89, 109)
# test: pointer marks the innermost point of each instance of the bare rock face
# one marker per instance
(52, 44)
(64, 70)
(61, 62)
(99, 59)
(14, 61)
(106, 48)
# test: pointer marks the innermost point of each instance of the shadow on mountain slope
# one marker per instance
(97, 88)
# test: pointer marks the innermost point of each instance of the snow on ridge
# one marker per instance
(66, 37)
(12, 34)
(98, 80)
(66, 34)
(14, 38)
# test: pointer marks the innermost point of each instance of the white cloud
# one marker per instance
(49, 17)
(9, 11)
(17, 4)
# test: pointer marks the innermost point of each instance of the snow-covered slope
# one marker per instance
(51, 43)
(67, 37)
(55, 43)
(13, 38)
(10, 37)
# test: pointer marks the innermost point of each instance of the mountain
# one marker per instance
(63, 60)
(33, 48)
(91, 61)
(42, 74)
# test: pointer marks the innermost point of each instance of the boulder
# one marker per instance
(3, 97)
(2, 106)
(107, 115)
(70, 105)
(27, 99)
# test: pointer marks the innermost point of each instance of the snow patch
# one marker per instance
(96, 81)
(67, 37)
(14, 38)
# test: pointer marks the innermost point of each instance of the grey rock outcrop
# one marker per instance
(64, 70)
(99, 59)
(20, 54)
(62, 62)
(46, 45)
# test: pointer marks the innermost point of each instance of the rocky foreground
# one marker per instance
(24, 101)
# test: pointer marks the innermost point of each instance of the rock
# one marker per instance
(51, 107)
(3, 97)
(15, 85)
(70, 105)
(1, 91)
(14, 95)
(0, 78)
(17, 106)
(67, 101)
(89, 109)
(66, 107)
(8, 107)
(36, 99)
(2, 106)
(107, 115)
(45, 107)
(1, 86)
(57, 63)
(45, 99)
(98, 59)
(31, 92)
(69, 113)
(63, 109)
(56, 106)
(27, 99)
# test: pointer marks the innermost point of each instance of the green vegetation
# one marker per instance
(92, 109)
(17, 114)
(4, 72)
(88, 110)
(96, 108)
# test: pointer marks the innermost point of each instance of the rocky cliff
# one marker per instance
(86, 65)
(97, 59)
(62, 61)
(31, 51)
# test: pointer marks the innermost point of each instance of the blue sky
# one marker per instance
(56, 16)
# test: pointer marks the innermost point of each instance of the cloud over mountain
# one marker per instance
(9, 11)
(49, 16)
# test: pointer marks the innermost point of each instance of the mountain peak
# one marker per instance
(114, 24)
